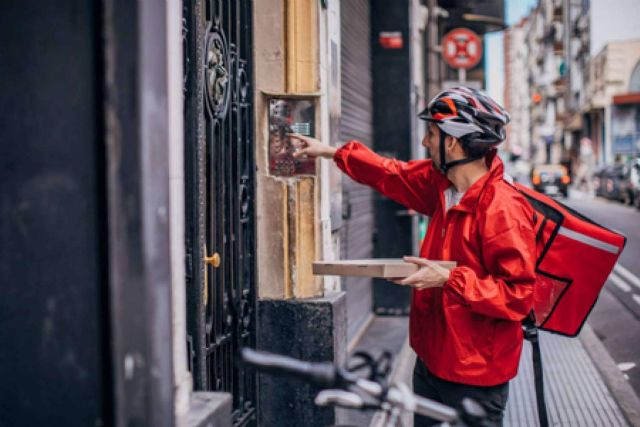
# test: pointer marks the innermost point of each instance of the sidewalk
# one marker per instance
(576, 392)
(383, 333)
(583, 386)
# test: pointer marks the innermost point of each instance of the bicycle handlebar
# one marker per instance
(321, 374)
(326, 375)
(346, 399)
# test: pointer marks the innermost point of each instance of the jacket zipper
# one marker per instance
(446, 238)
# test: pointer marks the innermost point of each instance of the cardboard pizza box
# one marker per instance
(385, 268)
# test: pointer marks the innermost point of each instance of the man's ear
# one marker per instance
(450, 142)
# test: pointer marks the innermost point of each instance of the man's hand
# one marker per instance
(310, 147)
(429, 275)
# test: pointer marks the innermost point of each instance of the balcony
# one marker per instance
(539, 56)
(561, 118)
(556, 37)
(560, 85)
(558, 12)
(580, 25)
(582, 51)
(537, 115)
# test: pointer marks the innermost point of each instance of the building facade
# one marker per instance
(613, 99)
(517, 96)
(579, 80)
(152, 162)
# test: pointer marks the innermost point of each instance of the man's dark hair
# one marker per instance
(474, 147)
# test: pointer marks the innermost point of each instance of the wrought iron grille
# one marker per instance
(220, 225)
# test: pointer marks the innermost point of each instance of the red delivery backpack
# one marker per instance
(574, 258)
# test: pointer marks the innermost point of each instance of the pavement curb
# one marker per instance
(618, 386)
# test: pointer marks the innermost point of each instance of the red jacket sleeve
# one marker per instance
(414, 184)
(509, 256)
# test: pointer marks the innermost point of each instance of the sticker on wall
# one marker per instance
(290, 116)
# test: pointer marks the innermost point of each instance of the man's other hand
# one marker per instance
(310, 147)
(429, 274)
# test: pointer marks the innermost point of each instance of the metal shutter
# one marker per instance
(356, 123)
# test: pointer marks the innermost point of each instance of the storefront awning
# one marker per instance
(627, 98)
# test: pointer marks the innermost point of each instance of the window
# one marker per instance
(634, 83)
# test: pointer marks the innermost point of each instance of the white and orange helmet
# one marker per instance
(462, 111)
(469, 115)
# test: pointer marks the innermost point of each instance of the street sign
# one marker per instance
(473, 84)
(462, 48)
(391, 39)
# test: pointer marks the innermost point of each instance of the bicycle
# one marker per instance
(343, 387)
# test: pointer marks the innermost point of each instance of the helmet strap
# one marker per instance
(446, 167)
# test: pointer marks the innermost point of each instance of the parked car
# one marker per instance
(615, 177)
(551, 179)
(631, 183)
(599, 181)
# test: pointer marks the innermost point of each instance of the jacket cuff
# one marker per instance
(456, 282)
(340, 156)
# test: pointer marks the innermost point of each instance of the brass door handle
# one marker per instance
(213, 260)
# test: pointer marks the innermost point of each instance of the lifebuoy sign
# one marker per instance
(462, 48)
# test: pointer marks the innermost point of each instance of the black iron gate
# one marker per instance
(220, 225)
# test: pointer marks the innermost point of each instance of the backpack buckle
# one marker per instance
(531, 333)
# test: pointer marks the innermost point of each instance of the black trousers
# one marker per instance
(493, 399)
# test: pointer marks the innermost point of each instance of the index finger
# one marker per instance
(297, 136)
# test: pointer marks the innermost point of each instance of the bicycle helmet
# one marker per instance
(469, 115)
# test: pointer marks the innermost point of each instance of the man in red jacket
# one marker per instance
(465, 324)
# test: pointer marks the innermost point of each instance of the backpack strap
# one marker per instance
(531, 334)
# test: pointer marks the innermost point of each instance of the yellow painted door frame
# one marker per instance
(302, 71)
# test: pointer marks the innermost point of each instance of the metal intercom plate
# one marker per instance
(290, 115)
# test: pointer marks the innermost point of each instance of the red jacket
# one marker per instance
(469, 330)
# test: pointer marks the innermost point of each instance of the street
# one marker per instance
(616, 317)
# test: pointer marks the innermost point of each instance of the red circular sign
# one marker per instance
(461, 48)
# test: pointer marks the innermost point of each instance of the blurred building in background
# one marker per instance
(153, 219)
(548, 81)
(612, 100)
(581, 57)
(517, 99)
